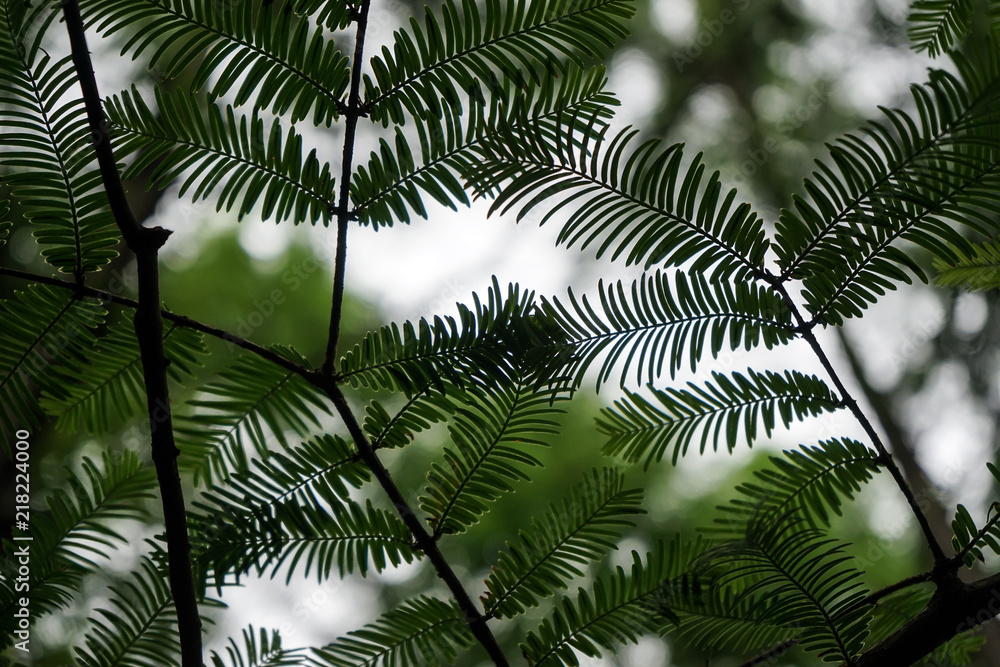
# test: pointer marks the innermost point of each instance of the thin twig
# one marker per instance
(352, 113)
(770, 654)
(885, 458)
(182, 320)
(145, 244)
(873, 598)
(328, 381)
(424, 541)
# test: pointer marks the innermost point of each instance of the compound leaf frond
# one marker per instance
(618, 609)
(473, 47)
(397, 177)
(812, 480)
(481, 348)
(46, 340)
(581, 529)
(283, 534)
(48, 155)
(638, 203)
(75, 529)
(211, 149)
(977, 269)
(653, 326)
(250, 403)
(718, 412)
(820, 592)
(110, 389)
(489, 437)
(259, 649)
(905, 180)
(422, 630)
(266, 52)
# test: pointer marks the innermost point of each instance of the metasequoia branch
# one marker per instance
(954, 609)
(885, 458)
(366, 450)
(145, 244)
(422, 540)
(326, 378)
(352, 114)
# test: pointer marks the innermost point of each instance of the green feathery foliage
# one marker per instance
(346, 537)
(45, 341)
(653, 326)
(904, 179)
(820, 595)
(580, 530)
(251, 402)
(969, 539)
(214, 148)
(713, 618)
(318, 472)
(490, 435)
(141, 629)
(421, 410)
(642, 204)
(295, 505)
(75, 529)
(978, 269)
(419, 631)
(938, 26)
(812, 480)
(618, 609)
(455, 56)
(110, 390)
(259, 649)
(395, 181)
(482, 348)
(506, 102)
(279, 61)
(638, 429)
(47, 146)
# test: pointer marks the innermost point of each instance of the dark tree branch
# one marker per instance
(326, 379)
(953, 610)
(424, 541)
(145, 244)
(873, 598)
(885, 458)
(354, 111)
